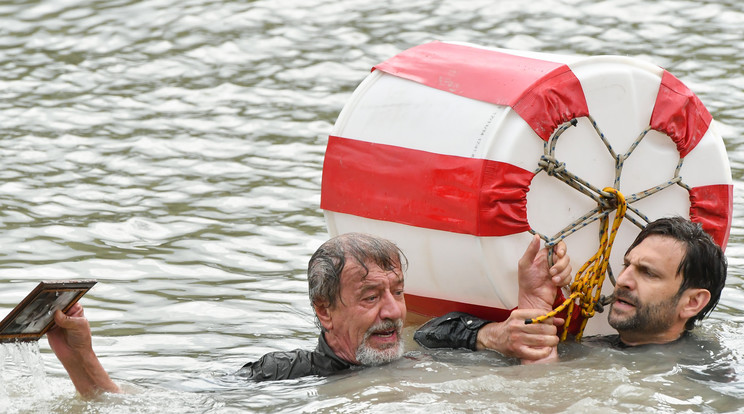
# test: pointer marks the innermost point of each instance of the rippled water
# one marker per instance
(173, 151)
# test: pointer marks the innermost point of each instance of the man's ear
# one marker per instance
(323, 312)
(693, 301)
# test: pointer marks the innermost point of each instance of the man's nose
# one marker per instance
(390, 309)
(626, 278)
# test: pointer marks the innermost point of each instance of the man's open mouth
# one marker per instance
(385, 338)
(625, 302)
(619, 297)
(385, 334)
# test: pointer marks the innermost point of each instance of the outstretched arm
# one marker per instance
(514, 338)
(511, 337)
(71, 341)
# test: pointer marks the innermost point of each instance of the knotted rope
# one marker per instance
(587, 286)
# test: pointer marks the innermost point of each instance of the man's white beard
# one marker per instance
(369, 356)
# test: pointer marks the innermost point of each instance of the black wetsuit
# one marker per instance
(453, 330)
(295, 364)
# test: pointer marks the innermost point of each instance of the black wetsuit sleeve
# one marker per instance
(453, 330)
(279, 366)
(295, 364)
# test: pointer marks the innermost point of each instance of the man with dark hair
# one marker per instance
(355, 284)
(673, 276)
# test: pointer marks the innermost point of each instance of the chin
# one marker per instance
(369, 356)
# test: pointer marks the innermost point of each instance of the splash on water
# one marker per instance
(22, 375)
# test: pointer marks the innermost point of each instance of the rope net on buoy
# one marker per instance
(586, 288)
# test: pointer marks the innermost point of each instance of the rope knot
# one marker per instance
(551, 165)
(612, 199)
(586, 288)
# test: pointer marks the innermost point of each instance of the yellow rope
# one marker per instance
(587, 285)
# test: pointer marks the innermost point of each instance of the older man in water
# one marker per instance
(356, 289)
(355, 284)
(673, 276)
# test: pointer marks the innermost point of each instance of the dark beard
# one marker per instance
(652, 318)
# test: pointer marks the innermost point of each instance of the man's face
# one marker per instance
(647, 289)
(367, 320)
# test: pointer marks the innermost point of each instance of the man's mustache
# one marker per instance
(387, 325)
(619, 294)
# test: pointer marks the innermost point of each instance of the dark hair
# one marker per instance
(327, 263)
(703, 265)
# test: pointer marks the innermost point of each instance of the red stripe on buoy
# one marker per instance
(437, 307)
(545, 94)
(424, 189)
(680, 114)
(712, 206)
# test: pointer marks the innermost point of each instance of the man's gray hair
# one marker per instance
(327, 263)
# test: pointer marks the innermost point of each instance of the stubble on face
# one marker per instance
(369, 356)
(651, 318)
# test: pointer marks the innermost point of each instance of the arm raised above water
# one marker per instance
(71, 341)
(538, 283)
(538, 287)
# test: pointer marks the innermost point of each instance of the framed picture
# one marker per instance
(31, 318)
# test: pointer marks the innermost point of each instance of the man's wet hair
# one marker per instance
(327, 263)
(703, 266)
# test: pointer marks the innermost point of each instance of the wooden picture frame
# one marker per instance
(31, 318)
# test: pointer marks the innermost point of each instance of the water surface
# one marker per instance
(172, 150)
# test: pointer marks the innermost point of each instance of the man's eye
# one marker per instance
(371, 298)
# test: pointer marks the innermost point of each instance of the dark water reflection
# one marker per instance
(173, 151)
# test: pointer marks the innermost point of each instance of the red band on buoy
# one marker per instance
(712, 207)
(424, 189)
(680, 114)
(545, 94)
(437, 307)
(556, 99)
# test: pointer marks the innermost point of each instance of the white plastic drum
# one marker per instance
(439, 150)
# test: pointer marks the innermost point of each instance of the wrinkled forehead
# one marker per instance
(354, 271)
(659, 251)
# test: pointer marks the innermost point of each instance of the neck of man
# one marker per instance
(342, 350)
(635, 338)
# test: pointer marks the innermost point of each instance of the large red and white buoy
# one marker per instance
(448, 150)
